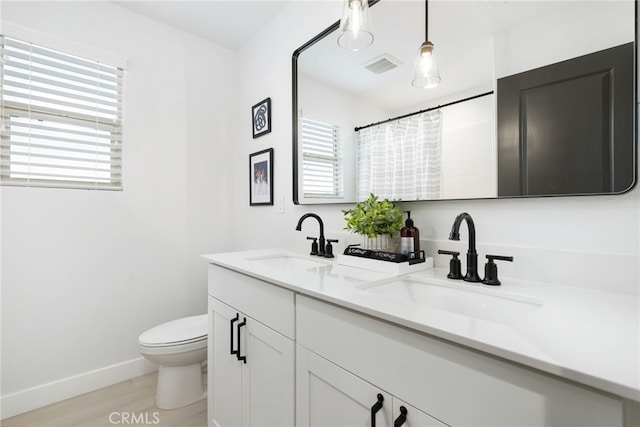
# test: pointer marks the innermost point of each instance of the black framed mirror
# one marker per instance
(480, 46)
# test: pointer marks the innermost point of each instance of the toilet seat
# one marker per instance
(173, 349)
(189, 331)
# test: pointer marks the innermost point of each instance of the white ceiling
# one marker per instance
(462, 32)
(228, 23)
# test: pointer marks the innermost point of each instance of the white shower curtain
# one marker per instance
(402, 159)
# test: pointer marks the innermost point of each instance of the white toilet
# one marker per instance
(180, 348)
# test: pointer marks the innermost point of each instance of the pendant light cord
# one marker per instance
(426, 20)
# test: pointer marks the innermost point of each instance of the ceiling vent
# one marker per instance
(382, 64)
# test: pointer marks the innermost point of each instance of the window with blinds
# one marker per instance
(61, 119)
(321, 159)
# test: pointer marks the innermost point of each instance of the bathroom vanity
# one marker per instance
(303, 341)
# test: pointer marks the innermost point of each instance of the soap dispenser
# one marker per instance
(409, 237)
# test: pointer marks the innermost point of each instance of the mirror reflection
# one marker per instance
(450, 150)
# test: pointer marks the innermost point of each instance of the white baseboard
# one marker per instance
(56, 391)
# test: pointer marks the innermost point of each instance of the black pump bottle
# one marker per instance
(409, 237)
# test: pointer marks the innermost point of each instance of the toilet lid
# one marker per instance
(187, 329)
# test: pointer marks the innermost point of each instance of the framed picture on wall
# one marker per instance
(261, 178)
(261, 118)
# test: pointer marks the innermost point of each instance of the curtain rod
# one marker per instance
(423, 111)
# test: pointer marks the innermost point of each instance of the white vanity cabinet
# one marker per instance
(251, 361)
(330, 396)
(318, 361)
(446, 382)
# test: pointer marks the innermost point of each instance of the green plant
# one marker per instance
(374, 217)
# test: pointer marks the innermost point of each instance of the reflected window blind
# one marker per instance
(61, 119)
(321, 159)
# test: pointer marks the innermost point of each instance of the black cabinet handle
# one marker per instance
(402, 418)
(375, 408)
(232, 321)
(240, 325)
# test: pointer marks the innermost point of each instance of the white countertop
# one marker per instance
(589, 336)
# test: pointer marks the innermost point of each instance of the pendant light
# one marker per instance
(355, 27)
(426, 73)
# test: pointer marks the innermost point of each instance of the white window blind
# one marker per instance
(61, 119)
(321, 159)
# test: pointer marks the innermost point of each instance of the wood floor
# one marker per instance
(127, 403)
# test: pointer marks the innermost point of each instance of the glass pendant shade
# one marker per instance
(426, 73)
(355, 26)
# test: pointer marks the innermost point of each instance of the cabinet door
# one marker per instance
(329, 396)
(457, 386)
(268, 380)
(405, 415)
(224, 369)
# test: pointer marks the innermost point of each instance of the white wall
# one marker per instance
(553, 37)
(85, 272)
(266, 72)
(469, 150)
(585, 233)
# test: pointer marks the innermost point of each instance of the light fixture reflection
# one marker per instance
(426, 73)
(355, 26)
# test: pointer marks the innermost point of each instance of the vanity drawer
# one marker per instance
(269, 304)
(456, 385)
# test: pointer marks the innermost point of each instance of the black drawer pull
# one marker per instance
(402, 418)
(375, 408)
(232, 321)
(240, 325)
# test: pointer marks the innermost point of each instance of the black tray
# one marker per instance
(413, 258)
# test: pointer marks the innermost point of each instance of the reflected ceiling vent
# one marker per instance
(382, 64)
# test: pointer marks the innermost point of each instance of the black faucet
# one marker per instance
(472, 255)
(321, 241)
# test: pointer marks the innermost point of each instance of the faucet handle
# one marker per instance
(491, 269)
(328, 249)
(314, 245)
(455, 268)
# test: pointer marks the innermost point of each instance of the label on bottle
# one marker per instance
(406, 245)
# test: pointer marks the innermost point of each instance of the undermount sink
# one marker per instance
(289, 262)
(465, 299)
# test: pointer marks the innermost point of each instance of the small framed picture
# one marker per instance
(261, 118)
(261, 178)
